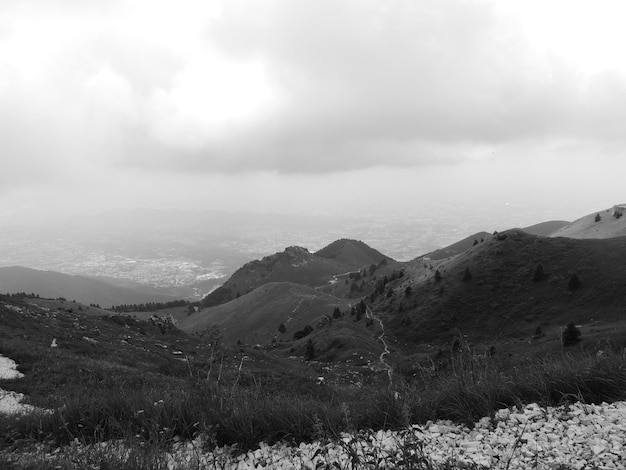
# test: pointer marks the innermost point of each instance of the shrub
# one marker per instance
(307, 330)
(282, 328)
(574, 282)
(571, 335)
(598, 218)
(309, 352)
(538, 273)
(467, 275)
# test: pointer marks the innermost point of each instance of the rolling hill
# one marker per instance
(491, 293)
(80, 288)
(255, 317)
(607, 223)
(545, 229)
(457, 247)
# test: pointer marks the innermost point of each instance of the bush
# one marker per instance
(571, 335)
(307, 330)
(538, 273)
(574, 282)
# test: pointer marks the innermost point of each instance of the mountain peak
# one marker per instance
(350, 252)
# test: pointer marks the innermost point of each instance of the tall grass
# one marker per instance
(151, 418)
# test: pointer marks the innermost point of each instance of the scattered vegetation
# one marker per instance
(152, 306)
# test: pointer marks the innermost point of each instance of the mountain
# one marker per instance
(607, 223)
(80, 288)
(490, 293)
(297, 265)
(353, 253)
(545, 229)
(458, 247)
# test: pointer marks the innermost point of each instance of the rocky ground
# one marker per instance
(577, 436)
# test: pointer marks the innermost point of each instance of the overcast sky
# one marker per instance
(312, 105)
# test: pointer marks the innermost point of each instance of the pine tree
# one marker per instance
(571, 335)
(309, 352)
(574, 282)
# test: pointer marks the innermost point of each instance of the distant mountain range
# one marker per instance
(83, 289)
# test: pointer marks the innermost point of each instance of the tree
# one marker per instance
(538, 273)
(309, 352)
(467, 275)
(307, 330)
(407, 291)
(282, 328)
(598, 218)
(475, 242)
(574, 282)
(437, 276)
(571, 335)
(336, 313)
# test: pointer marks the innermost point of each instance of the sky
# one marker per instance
(312, 106)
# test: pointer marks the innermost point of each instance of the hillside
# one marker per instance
(457, 247)
(84, 290)
(489, 293)
(353, 253)
(255, 317)
(545, 229)
(607, 223)
(296, 265)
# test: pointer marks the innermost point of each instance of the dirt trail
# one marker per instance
(383, 363)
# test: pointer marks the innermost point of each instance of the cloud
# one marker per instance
(312, 87)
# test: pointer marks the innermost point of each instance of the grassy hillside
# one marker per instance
(602, 224)
(255, 317)
(493, 294)
(545, 229)
(458, 247)
(80, 288)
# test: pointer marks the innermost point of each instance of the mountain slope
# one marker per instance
(458, 247)
(607, 225)
(499, 299)
(255, 317)
(545, 229)
(82, 289)
(353, 253)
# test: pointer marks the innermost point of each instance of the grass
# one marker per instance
(140, 394)
(149, 418)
